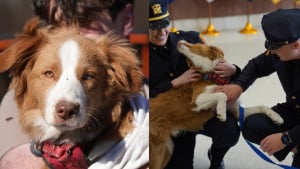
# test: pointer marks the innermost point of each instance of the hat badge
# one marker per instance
(156, 9)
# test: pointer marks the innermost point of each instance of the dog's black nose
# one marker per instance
(66, 110)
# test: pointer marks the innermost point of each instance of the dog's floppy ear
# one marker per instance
(22, 47)
(19, 55)
(216, 52)
(123, 60)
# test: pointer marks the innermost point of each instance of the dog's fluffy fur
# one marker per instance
(69, 88)
(188, 107)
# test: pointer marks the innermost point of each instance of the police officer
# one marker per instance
(282, 31)
(168, 69)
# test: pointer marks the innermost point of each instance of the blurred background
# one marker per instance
(14, 13)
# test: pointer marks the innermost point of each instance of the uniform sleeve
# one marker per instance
(258, 67)
(294, 134)
(237, 72)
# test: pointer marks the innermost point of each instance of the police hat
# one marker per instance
(281, 27)
(158, 14)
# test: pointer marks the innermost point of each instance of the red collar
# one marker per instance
(64, 156)
(216, 78)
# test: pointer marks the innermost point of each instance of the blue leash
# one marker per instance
(255, 149)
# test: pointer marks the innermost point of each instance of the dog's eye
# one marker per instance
(87, 76)
(49, 73)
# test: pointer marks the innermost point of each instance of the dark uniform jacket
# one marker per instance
(289, 76)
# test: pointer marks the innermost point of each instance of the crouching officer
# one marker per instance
(282, 32)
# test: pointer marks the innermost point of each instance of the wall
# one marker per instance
(183, 9)
(13, 14)
(225, 14)
(141, 16)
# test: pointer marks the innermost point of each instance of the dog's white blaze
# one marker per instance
(68, 87)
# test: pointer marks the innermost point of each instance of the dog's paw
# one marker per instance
(276, 118)
(221, 110)
(221, 116)
(204, 105)
(201, 106)
(196, 109)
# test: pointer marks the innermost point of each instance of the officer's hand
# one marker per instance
(187, 77)
(272, 143)
(225, 69)
(232, 91)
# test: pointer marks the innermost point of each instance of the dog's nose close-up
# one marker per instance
(66, 110)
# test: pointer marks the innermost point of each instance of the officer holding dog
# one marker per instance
(168, 69)
(282, 32)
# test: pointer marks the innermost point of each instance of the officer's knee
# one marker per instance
(231, 132)
(256, 126)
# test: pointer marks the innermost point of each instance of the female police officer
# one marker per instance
(168, 68)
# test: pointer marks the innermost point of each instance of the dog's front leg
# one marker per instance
(209, 100)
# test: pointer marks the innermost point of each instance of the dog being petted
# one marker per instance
(193, 104)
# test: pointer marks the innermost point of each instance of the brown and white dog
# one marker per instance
(188, 107)
(71, 89)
